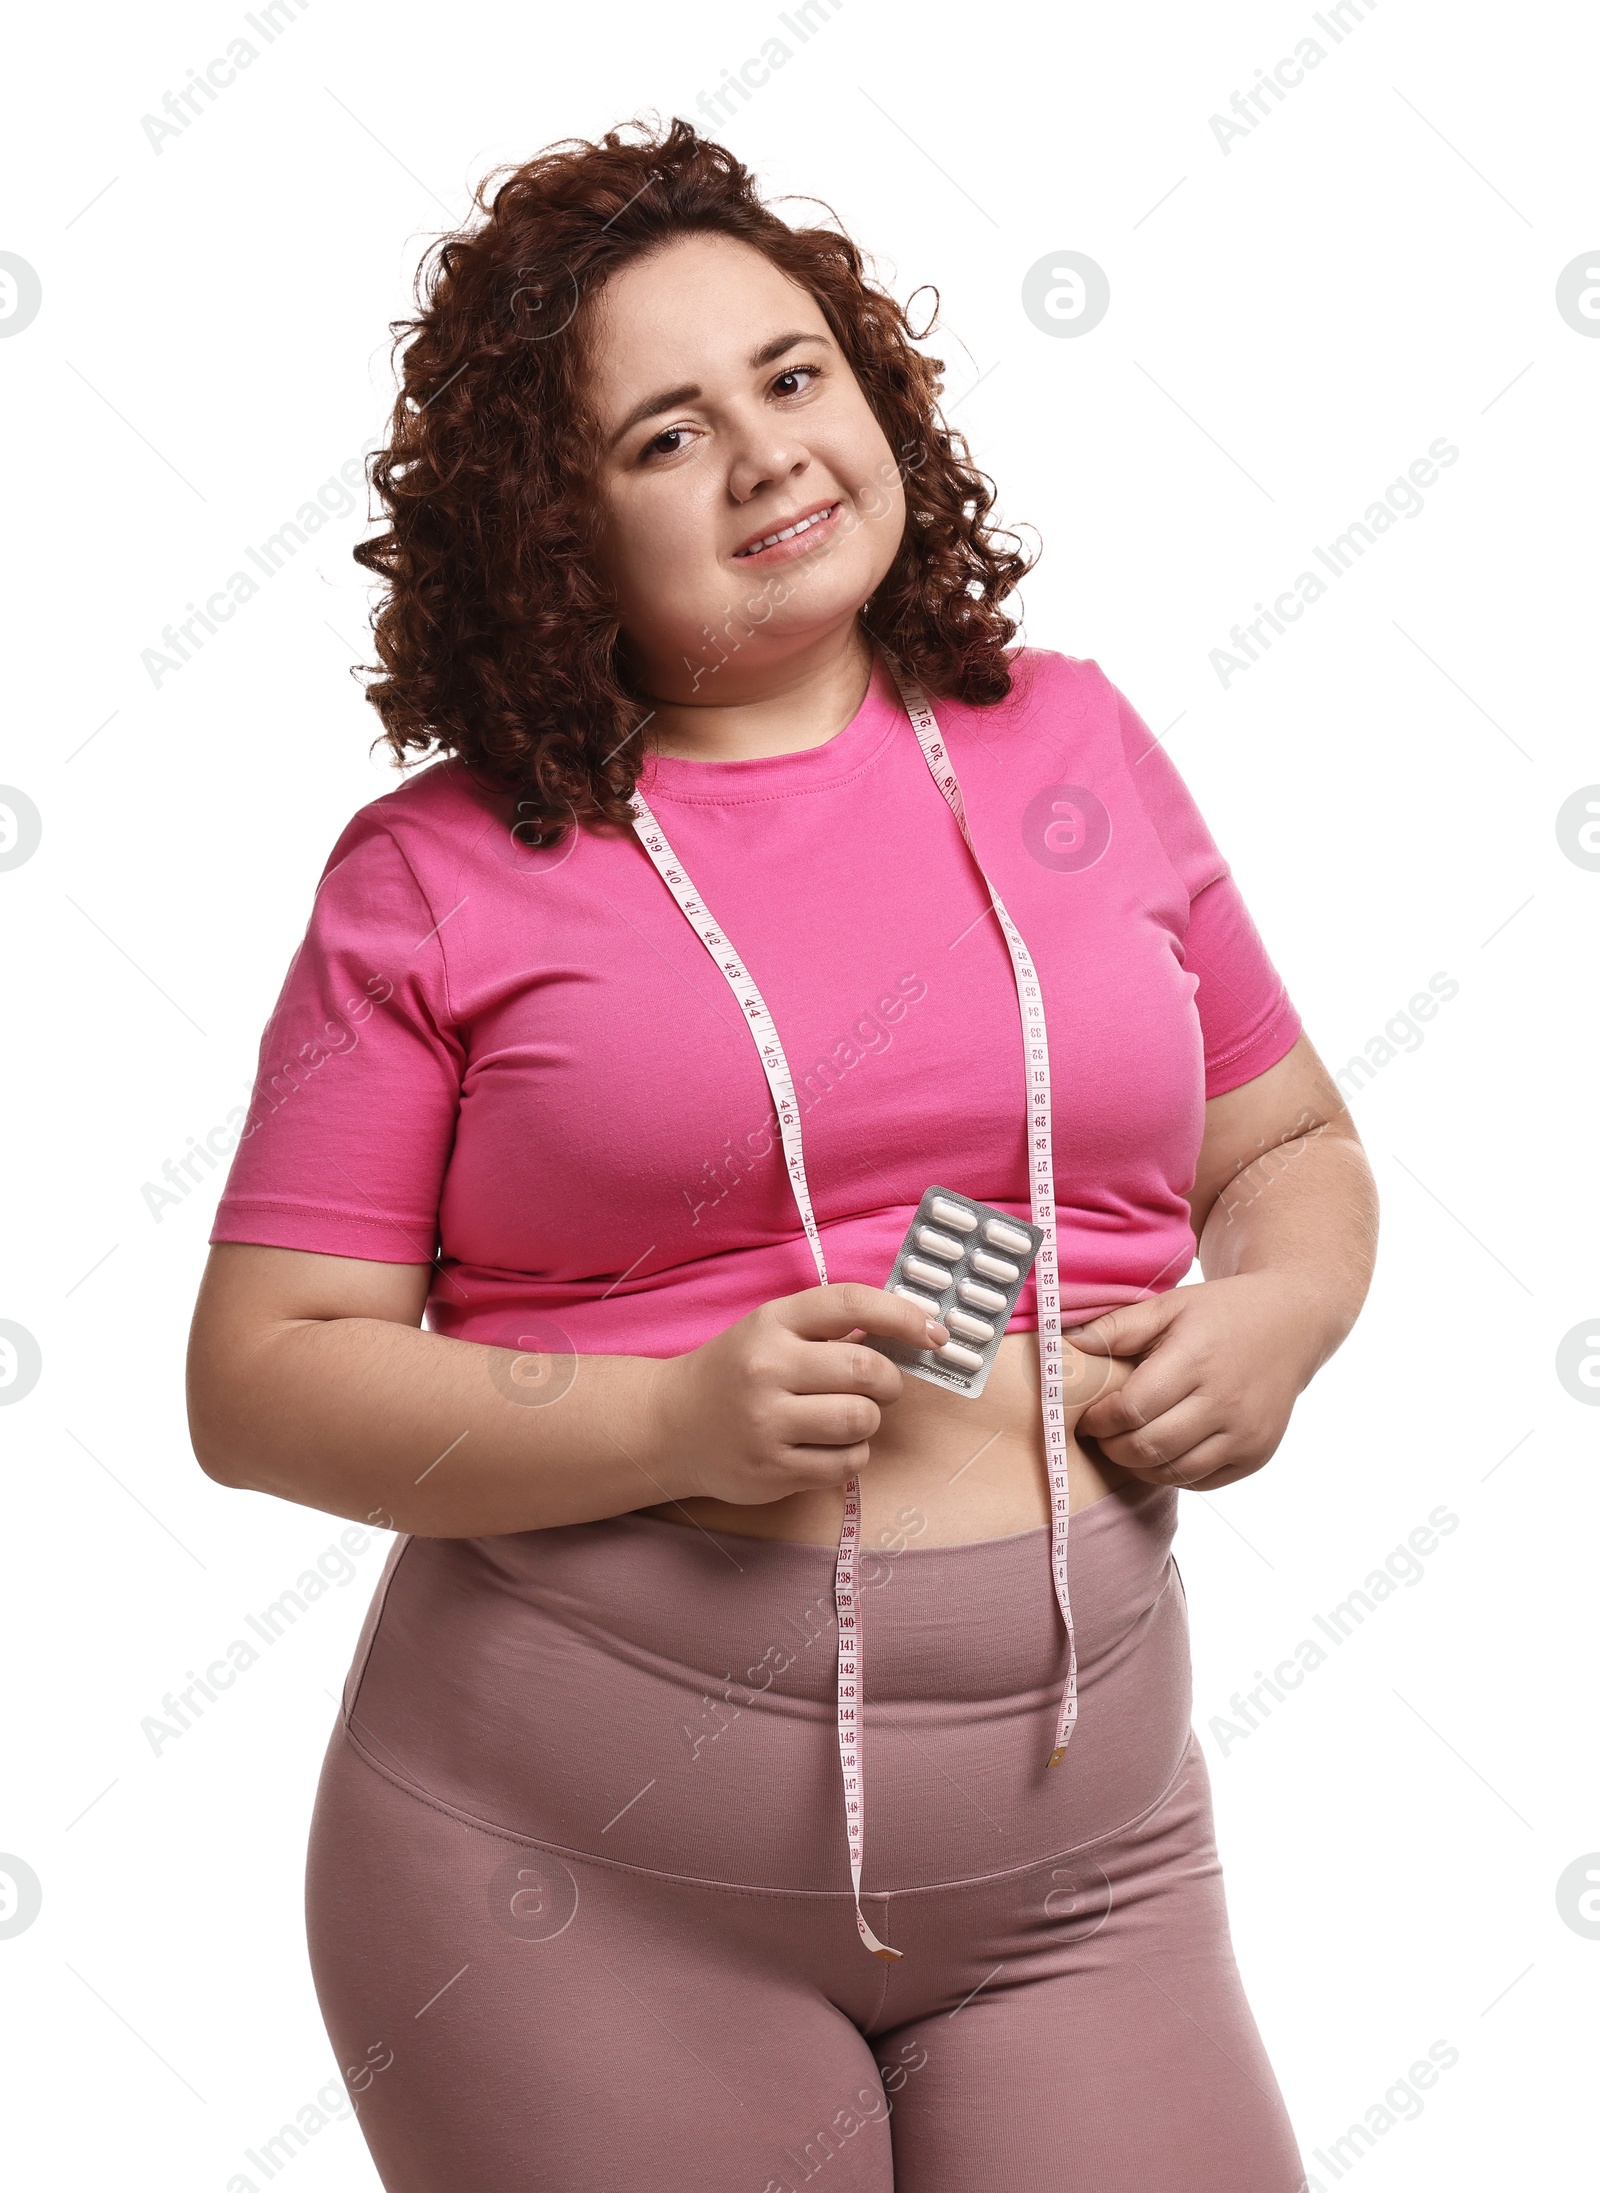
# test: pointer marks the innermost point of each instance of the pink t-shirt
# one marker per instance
(522, 1066)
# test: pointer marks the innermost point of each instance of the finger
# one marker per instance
(1215, 1462)
(1167, 1440)
(1179, 1474)
(842, 1367)
(1085, 1378)
(827, 1419)
(825, 1466)
(1162, 1381)
(1128, 1330)
(829, 1313)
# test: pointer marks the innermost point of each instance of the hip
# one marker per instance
(662, 1697)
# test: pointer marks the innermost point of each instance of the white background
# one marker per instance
(1292, 322)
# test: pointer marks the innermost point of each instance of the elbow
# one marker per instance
(217, 1456)
(223, 1406)
(216, 1437)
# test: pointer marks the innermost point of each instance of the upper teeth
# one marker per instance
(790, 531)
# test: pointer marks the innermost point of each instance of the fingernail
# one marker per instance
(937, 1333)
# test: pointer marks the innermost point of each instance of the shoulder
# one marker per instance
(1056, 697)
(1044, 681)
(427, 827)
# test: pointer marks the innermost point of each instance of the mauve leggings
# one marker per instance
(578, 1891)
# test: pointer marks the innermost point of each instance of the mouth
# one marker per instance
(796, 537)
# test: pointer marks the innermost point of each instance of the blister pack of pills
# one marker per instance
(964, 1263)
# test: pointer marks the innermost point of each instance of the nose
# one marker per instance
(763, 455)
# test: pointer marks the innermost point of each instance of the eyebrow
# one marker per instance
(688, 392)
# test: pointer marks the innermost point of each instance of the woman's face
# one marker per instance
(728, 412)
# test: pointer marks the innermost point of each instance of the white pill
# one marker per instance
(952, 1214)
(930, 1275)
(981, 1298)
(974, 1328)
(938, 1244)
(921, 1300)
(992, 1267)
(1007, 1237)
(964, 1359)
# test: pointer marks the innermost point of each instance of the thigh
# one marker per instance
(513, 2021)
(1107, 2045)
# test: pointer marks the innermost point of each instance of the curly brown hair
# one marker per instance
(495, 634)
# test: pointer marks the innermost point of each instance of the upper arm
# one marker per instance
(249, 1292)
(1290, 1099)
(330, 1207)
(345, 1145)
(1269, 1084)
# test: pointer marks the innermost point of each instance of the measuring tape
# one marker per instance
(1041, 1183)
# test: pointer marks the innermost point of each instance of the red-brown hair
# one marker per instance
(496, 637)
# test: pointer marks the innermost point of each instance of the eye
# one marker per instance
(655, 446)
(673, 440)
(789, 373)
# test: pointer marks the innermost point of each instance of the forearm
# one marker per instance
(1306, 1213)
(414, 1431)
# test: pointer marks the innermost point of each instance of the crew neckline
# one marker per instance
(768, 776)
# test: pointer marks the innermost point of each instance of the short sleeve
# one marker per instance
(1246, 1017)
(353, 1111)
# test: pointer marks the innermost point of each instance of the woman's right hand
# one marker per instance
(785, 1400)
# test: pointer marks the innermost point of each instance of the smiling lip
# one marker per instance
(797, 544)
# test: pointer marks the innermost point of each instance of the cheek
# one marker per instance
(880, 499)
(881, 514)
(657, 545)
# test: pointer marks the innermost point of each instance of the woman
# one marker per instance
(681, 567)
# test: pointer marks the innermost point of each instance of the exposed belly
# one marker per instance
(945, 1470)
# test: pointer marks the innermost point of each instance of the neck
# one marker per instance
(774, 708)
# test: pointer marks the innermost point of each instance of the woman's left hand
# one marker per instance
(1221, 1365)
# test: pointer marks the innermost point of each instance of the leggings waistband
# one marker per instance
(662, 1696)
